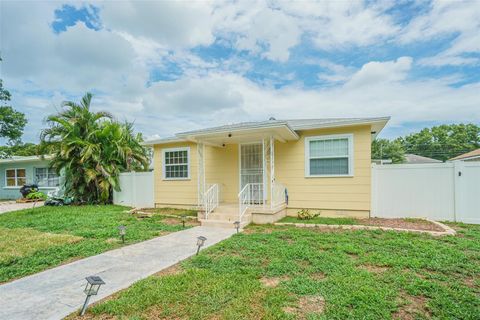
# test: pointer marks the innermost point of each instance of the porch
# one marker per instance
(236, 177)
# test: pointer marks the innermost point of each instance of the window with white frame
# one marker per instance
(46, 177)
(176, 163)
(330, 155)
(15, 177)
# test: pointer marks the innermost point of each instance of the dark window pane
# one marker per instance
(329, 166)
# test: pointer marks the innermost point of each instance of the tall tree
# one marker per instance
(12, 122)
(443, 142)
(19, 149)
(386, 149)
(91, 148)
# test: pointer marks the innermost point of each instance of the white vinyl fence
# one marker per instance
(444, 191)
(136, 190)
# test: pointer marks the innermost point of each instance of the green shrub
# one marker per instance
(37, 195)
(305, 214)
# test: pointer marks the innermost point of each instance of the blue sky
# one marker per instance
(171, 66)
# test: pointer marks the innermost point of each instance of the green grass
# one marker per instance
(322, 220)
(359, 274)
(95, 229)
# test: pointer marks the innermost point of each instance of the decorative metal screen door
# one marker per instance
(251, 169)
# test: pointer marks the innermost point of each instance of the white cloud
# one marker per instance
(43, 68)
(459, 19)
(169, 23)
(263, 30)
(376, 72)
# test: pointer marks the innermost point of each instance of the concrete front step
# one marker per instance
(230, 209)
(227, 216)
(222, 223)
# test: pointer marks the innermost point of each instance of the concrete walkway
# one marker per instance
(8, 206)
(55, 293)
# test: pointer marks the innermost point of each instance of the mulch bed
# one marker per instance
(414, 224)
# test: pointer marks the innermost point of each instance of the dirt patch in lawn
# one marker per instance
(318, 276)
(412, 307)
(261, 230)
(272, 282)
(175, 269)
(374, 269)
(176, 222)
(306, 305)
(414, 224)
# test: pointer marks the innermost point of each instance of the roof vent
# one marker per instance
(272, 118)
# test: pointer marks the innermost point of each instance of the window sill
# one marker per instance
(331, 176)
(176, 179)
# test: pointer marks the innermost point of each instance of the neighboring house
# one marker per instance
(245, 170)
(416, 159)
(17, 171)
(469, 156)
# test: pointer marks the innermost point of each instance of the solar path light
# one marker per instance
(183, 220)
(91, 289)
(237, 225)
(200, 243)
(122, 230)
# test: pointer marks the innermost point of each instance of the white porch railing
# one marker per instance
(251, 194)
(211, 199)
(278, 194)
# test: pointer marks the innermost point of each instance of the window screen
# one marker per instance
(329, 156)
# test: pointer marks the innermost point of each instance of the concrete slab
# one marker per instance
(55, 293)
(8, 206)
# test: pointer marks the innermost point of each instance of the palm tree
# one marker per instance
(91, 149)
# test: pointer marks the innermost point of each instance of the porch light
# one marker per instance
(237, 225)
(122, 230)
(183, 220)
(91, 289)
(200, 243)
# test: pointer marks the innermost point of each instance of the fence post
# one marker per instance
(458, 180)
(373, 190)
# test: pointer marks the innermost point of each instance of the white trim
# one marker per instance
(16, 178)
(163, 163)
(153, 142)
(229, 129)
(348, 136)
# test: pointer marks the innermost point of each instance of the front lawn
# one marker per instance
(280, 272)
(34, 240)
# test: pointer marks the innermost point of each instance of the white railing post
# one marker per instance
(211, 199)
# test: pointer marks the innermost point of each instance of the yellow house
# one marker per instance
(261, 171)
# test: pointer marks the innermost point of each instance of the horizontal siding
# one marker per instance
(221, 166)
(179, 192)
(339, 193)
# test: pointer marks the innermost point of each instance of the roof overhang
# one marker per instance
(219, 137)
(26, 159)
(151, 143)
(377, 124)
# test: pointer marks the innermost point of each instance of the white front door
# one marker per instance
(251, 170)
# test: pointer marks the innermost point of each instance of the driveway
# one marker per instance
(57, 292)
(7, 206)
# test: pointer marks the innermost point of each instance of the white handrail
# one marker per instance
(278, 194)
(251, 194)
(211, 199)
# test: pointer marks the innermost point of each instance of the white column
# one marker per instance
(272, 169)
(201, 173)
